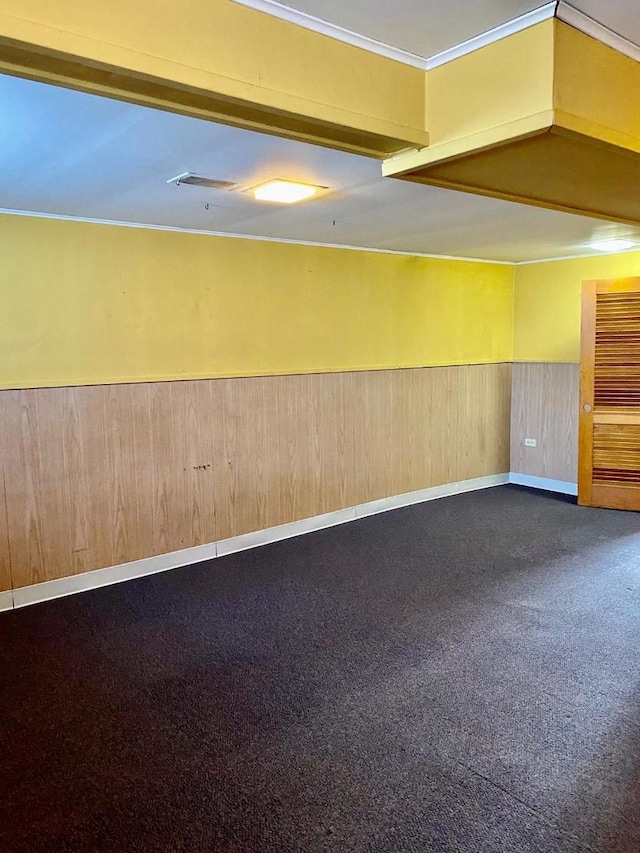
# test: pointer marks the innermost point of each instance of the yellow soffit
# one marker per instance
(220, 61)
(554, 122)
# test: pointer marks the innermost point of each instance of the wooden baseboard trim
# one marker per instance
(543, 483)
(37, 593)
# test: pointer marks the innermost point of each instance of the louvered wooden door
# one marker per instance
(609, 461)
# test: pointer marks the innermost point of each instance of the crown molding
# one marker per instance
(178, 229)
(325, 28)
(66, 217)
(318, 25)
(559, 9)
(568, 14)
(522, 22)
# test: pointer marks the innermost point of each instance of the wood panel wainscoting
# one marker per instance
(97, 476)
(545, 407)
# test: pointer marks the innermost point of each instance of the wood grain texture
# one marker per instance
(427, 427)
(285, 449)
(5, 557)
(545, 407)
(587, 402)
(610, 388)
(97, 476)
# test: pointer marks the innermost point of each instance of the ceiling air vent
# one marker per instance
(201, 181)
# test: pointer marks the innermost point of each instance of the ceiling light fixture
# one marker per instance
(612, 245)
(284, 192)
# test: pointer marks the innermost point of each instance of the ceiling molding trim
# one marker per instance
(318, 25)
(523, 22)
(590, 27)
(178, 229)
(592, 254)
(560, 9)
(325, 28)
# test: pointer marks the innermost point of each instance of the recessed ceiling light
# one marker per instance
(284, 192)
(612, 245)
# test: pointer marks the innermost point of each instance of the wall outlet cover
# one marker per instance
(530, 442)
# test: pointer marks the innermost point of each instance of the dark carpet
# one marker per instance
(462, 675)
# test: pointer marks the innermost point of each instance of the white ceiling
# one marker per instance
(428, 27)
(73, 154)
(620, 16)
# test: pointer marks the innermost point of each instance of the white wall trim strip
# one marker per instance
(431, 494)
(325, 28)
(6, 600)
(285, 531)
(319, 25)
(590, 27)
(543, 483)
(177, 229)
(64, 217)
(523, 22)
(561, 9)
(35, 593)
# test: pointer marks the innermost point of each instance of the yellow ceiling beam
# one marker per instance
(215, 59)
(548, 117)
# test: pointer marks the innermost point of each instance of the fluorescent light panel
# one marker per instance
(612, 245)
(284, 192)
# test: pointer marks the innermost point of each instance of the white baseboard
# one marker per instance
(284, 531)
(6, 600)
(35, 593)
(544, 483)
(422, 495)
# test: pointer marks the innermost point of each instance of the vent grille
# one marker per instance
(201, 181)
(616, 455)
(617, 353)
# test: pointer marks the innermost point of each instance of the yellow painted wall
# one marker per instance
(547, 303)
(592, 86)
(492, 87)
(84, 303)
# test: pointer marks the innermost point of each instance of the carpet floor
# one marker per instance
(462, 675)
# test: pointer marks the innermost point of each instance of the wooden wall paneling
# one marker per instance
(501, 463)
(315, 444)
(428, 426)
(27, 489)
(545, 407)
(283, 450)
(5, 553)
(102, 475)
(182, 457)
(121, 410)
(244, 441)
(200, 461)
(455, 424)
(483, 445)
(336, 486)
(445, 423)
(293, 474)
(378, 434)
(86, 486)
(168, 464)
(413, 468)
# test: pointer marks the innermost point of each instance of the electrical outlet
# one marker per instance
(530, 442)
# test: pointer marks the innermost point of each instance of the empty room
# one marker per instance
(320, 426)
